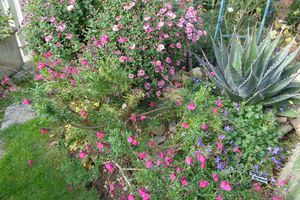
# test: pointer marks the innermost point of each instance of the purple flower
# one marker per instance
(228, 129)
(222, 137)
(199, 142)
(225, 113)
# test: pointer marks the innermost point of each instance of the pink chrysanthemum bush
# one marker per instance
(151, 39)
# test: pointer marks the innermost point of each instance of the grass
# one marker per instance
(42, 180)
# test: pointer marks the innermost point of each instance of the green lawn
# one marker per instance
(44, 179)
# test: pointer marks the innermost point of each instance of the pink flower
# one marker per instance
(191, 106)
(131, 197)
(184, 181)
(41, 65)
(201, 159)
(204, 127)
(48, 38)
(39, 77)
(30, 162)
(219, 146)
(151, 143)
(69, 36)
(130, 139)
(189, 160)
(109, 167)
(168, 60)
(144, 194)
(173, 176)
(203, 184)
(82, 154)
(26, 102)
(130, 76)
(100, 145)
(142, 155)
(160, 47)
(83, 113)
(185, 125)
(179, 103)
(282, 183)
(142, 117)
(132, 46)
(44, 131)
(149, 164)
(48, 54)
(219, 197)
(178, 45)
(122, 40)
(123, 59)
(133, 117)
(225, 185)
(256, 186)
(215, 177)
(100, 135)
(135, 143)
(116, 27)
(147, 86)
(84, 62)
(118, 18)
(151, 104)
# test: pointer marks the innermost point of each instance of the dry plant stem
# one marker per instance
(121, 171)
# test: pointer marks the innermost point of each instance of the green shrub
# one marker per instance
(5, 29)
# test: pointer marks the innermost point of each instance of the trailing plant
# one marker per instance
(255, 73)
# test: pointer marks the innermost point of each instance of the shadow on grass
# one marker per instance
(43, 179)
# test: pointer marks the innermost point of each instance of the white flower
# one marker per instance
(230, 9)
(70, 8)
(160, 47)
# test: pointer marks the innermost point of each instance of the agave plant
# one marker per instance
(256, 73)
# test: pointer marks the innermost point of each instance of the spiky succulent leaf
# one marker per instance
(278, 99)
(236, 52)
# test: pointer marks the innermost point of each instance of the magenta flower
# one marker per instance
(219, 146)
(44, 131)
(149, 164)
(173, 176)
(135, 143)
(179, 103)
(82, 154)
(69, 36)
(191, 106)
(142, 155)
(122, 40)
(219, 197)
(142, 117)
(203, 184)
(130, 139)
(144, 194)
(26, 102)
(131, 197)
(83, 113)
(48, 38)
(41, 65)
(184, 181)
(202, 159)
(109, 167)
(204, 127)
(215, 177)
(39, 77)
(185, 125)
(100, 145)
(30, 162)
(100, 135)
(48, 54)
(151, 143)
(225, 185)
(133, 118)
(189, 160)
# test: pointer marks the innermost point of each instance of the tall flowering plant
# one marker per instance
(150, 39)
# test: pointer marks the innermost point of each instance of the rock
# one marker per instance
(282, 119)
(296, 125)
(286, 128)
(159, 139)
(196, 73)
(17, 114)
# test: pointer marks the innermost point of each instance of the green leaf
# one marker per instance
(279, 99)
(291, 113)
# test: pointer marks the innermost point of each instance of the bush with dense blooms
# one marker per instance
(107, 70)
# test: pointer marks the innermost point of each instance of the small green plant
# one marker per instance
(5, 29)
(255, 73)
